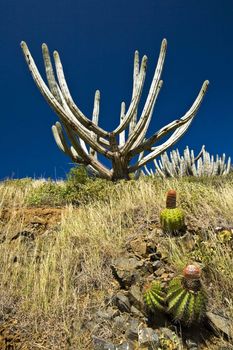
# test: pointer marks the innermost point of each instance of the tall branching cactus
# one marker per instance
(203, 164)
(87, 138)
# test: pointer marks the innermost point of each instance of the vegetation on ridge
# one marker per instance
(52, 283)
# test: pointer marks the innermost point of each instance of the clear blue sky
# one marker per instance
(97, 40)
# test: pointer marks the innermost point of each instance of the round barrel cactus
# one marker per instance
(186, 298)
(154, 297)
(172, 219)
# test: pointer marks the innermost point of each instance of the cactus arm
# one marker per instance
(122, 134)
(82, 135)
(61, 143)
(95, 120)
(144, 131)
(50, 73)
(84, 121)
(200, 153)
(64, 113)
(150, 101)
(147, 171)
(55, 89)
(190, 114)
(228, 167)
(76, 152)
(133, 121)
(160, 149)
(199, 166)
(161, 173)
(139, 171)
(73, 107)
(135, 98)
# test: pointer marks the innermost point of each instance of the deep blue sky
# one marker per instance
(96, 40)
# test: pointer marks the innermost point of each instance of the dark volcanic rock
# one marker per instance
(148, 337)
(101, 344)
(220, 324)
(122, 302)
(126, 270)
(108, 314)
(132, 331)
(136, 298)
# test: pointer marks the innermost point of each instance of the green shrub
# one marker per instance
(48, 193)
(78, 189)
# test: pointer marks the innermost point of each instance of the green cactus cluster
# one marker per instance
(185, 298)
(154, 297)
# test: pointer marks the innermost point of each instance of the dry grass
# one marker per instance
(54, 283)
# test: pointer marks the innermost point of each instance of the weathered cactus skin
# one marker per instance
(186, 298)
(154, 297)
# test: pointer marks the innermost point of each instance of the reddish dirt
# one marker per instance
(36, 220)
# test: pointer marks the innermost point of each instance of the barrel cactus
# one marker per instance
(172, 218)
(154, 297)
(186, 298)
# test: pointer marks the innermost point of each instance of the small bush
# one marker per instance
(78, 189)
(48, 193)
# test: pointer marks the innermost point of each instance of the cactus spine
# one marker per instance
(154, 297)
(186, 298)
(172, 218)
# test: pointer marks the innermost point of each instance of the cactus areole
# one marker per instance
(85, 139)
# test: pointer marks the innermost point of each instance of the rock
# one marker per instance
(165, 276)
(160, 271)
(125, 346)
(220, 324)
(122, 302)
(134, 311)
(101, 344)
(136, 298)
(138, 247)
(108, 314)
(121, 323)
(151, 248)
(157, 264)
(132, 331)
(148, 267)
(148, 337)
(126, 270)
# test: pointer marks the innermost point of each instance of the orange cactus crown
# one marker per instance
(171, 199)
(192, 272)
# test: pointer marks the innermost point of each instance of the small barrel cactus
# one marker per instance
(172, 218)
(186, 298)
(154, 297)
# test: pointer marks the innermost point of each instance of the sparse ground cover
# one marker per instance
(59, 240)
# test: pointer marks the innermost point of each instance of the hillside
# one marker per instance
(74, 260)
